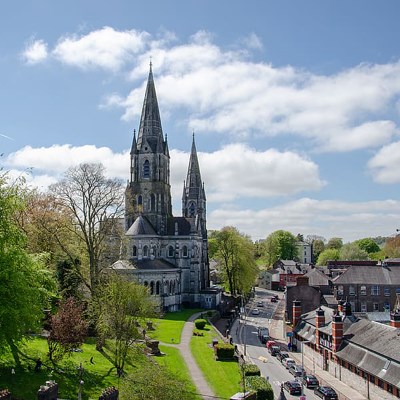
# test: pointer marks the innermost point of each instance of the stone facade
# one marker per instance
(166, 253)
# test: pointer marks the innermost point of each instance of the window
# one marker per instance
(134, 251)
(375, 290)
(151, 287)
(170, 251)
(352, 291)
(363, 307)
(145, 251)
(158, 287)
(340, 290)
(386, 291)
(386, 306)
(146, 169)
(152, 202)
(192, 210)
(363, 290)
(184, 251)
(375, 307)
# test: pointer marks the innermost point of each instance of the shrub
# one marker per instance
(196, 332)
(200, 323)
(224, 351)
(251, 370)
(262, 387)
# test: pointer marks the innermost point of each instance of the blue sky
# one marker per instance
(295, 105)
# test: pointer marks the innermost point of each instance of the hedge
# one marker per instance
(261, 386)
(200, 323)
(224, 351)
(251, 370)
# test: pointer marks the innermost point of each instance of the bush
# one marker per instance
(224, 351)
(262, 387)
(200, 323)
(196, 332)
(251, 370)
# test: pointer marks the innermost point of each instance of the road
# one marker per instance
(246, 334)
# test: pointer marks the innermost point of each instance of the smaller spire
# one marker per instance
(151, 64)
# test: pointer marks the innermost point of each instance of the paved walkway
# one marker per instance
(201, 384)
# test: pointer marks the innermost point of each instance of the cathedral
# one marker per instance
(167, 254)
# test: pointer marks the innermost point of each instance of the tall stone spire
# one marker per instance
(150, 130)
(193, 179)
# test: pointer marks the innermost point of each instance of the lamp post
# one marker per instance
(303, 397)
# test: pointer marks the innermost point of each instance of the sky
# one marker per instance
(294, 104)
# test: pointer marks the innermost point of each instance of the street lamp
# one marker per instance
(303, 397)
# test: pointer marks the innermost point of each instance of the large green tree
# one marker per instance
(328, 255)
(368, 244)
(280, 245)
(235, 255)
(123, 307)
(334, 243)
(25, 283)
(351, 252)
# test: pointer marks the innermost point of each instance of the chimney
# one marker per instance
(395, 319)
(319, 323)
(337, 332)
(296, 312)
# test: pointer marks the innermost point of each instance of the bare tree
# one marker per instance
(96, 203)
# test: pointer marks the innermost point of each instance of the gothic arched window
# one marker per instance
(134, 251)
(145, 251)
(146, 169)
(152, 202)
(184, 251)
(170, 251)
(192, 210)
(151, 287)
(158, 287)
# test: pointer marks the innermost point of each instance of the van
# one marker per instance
(263, 334)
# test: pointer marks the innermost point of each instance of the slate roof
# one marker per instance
(317, 278)
(141, 226)
(146, 264)
(184, 227)
(372, 275)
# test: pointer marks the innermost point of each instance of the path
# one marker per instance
(201, 384)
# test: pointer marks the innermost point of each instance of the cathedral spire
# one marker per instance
(150, 130)
(193, 179)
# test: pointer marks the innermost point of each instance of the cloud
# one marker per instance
(326, 218)
(385, 165)
(105, 48)
(35, 52)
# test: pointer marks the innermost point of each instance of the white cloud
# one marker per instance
(326, 218)
(35, 52)
(385, 165)
(104, 48)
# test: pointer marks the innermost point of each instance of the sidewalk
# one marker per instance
(278, 332)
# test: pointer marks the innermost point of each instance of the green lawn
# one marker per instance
(222, 376)
(169, 328)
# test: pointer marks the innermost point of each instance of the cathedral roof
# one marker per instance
(179, 225)
(150, 130)
(145, 264)
(141, 226)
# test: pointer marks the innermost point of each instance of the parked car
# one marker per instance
(260, 304)
(255, 311)
(263, 334)
(297, 370)
(287, 362)
(274, 300)
(271, 343)
(274, 350)
(293, 387)
(310, 381)
(326, 393)
(281, 356)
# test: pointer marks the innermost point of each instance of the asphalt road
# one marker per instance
(246, 332)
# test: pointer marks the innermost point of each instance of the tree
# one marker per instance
(280, 245)
(163, 385)
(351, 251)
(123, 307)
(25, 284)
(327, 255)
(95, 202)
(392, 247)
(68, 330)
(235, 254)
(334, 243)
(368, 244)
(318, 247)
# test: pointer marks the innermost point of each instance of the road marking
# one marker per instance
(263, 359)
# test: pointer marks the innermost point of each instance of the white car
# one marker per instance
(287, 362)
(255, 311)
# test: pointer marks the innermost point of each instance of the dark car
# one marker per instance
(274, 350)
(274, 300)
(281, 356)
(293, 387)
(326, 393)
(310, 381)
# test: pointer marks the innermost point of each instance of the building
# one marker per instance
(289, 271)
(363, 354)
(166, 253)
(369, 288)
(305, 252)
